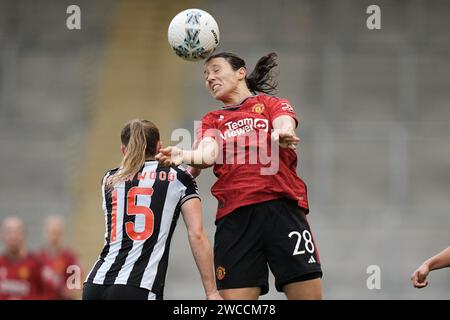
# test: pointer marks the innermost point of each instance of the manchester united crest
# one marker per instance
(58, 265)
(258, 108)
(24, 273)
(220, 273)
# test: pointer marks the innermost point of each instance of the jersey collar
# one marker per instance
(234, 106)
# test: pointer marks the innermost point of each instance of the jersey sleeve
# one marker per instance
(206, 128)
(189, 189)
(280, 107)
(107, 175)
(103, 185)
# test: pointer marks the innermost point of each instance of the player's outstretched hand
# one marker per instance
(419, 277)
(170, 156)
(285, 138)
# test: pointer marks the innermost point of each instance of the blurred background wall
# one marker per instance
(374, 108)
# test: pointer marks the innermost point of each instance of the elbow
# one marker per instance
(196, 235)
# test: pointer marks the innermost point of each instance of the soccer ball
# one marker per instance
(193, 34)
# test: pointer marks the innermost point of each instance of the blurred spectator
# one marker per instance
(56, 260)
(19, 270)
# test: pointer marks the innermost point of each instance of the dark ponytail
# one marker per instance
(262, 78)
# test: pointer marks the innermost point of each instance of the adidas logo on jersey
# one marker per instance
(312, 260)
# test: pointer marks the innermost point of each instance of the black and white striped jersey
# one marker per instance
(140, 217)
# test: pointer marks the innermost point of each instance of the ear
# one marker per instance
(123, 149)
(241, 73)
(158, 146)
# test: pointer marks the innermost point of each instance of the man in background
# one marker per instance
(58, 262)
(19, 270)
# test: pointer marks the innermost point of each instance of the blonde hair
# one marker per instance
(140, 138)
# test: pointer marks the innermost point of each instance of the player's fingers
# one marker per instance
(289, 136)
(165, 150)
(292, 147)
(289, 140)
(414, 281)
(421, 276)
(419, 281)
(288, 144)
(165, 161)
(161, 158)
(292, 141)
(421, 285)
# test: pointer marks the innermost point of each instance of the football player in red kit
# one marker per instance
(19, 270)
(58, 262)
(262, 202)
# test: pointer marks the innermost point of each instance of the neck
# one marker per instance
(150, 159)
(236, 97)
(16, 254)
(54, 248)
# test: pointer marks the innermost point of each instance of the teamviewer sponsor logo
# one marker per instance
(244, 126)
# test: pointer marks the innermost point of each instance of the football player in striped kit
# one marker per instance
(142, 201)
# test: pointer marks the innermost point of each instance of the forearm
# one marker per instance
(202, 253)
(285, 123)
(441, 260)
(200, 158)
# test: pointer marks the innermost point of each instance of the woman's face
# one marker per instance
(220, 78)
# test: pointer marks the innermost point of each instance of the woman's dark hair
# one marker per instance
(262, 77)
(140, 137)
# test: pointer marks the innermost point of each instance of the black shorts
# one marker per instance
(92, 291)
(273, 233)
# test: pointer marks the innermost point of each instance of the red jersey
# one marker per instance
(20, 279)
(55, 273)
(243, 133)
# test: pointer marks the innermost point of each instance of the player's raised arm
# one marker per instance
(200, 246)
(284, 132)
(439, 261)
(202, 157)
